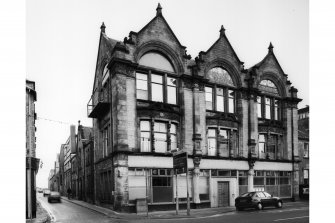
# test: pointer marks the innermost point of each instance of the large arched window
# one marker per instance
(154, 82)
(268, 104)
(221, 95)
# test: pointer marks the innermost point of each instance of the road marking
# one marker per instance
(285, 219)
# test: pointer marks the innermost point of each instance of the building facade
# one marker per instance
(303, 123)
(239, 126)
(32, 163)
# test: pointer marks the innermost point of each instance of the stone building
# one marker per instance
(32, 163)
(85, 163)
(303, 123)
(239, 126)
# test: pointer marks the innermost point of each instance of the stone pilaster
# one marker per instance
(121, 194)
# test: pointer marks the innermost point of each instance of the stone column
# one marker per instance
(121, 181)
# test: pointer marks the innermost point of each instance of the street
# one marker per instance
(71, 213)
(297, 212)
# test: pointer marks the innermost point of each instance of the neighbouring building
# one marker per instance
(62, 188)
(239, 126)
(51, 179)
(32, 163)
(85, 159)
(303, 126)
(67, 178)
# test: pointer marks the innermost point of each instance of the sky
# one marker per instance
(62, 43)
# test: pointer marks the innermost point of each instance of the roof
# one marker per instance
(303, 110)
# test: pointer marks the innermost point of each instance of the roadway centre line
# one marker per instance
(285, 219)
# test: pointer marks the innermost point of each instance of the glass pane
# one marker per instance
(219, 103)
(219, 91)
(231, 101)
(157, 79)
(157, 92)
(267, 112)
(171, 81)
(224, 133)
(145, 125)
(268, 87)
(172, 95)
(211, 132)
(173, 142)
(261, 138)
(209, 105)
(258, 181)
(173, 128)
(156, 60)
(160, 127)
(259, 107)
(212, 147)
(276, 110)
(220, 76)
(140, 76)
(142, 94)
(223, 150)
(145, 142)
(160, 142)
(141, 84)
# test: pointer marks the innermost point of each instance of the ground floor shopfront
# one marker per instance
(216, 183)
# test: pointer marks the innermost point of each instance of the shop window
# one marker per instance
(162, 186)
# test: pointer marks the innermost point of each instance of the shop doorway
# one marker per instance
(223, 193)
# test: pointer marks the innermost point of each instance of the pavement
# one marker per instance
(42, 215)
(171, 214)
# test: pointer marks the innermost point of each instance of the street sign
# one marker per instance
(180, 162)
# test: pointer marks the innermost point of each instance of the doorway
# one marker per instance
(223, 193)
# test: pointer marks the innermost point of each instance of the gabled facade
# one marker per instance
(238, 126)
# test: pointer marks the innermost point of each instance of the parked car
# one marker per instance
(258, 200)
(54, 196)
(46, 192)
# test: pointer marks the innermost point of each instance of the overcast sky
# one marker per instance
(62, 42)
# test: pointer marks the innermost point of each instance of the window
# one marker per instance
(268, 106)
(269, 146)
(164, 139)
(160, 134)
(211, 142)
(173, 135)
(222, 142)
(306, 150)
(142, 86)
(261, 146)
(209, 98)
(155, 85)
(105, 143)
(306, 176)
(145, 136)
(224, 96)
(162, 187)
(224, 99)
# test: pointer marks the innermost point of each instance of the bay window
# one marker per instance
(269, 146)
(222, 142)
(161, 136)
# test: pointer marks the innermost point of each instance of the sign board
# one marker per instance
(180, 161)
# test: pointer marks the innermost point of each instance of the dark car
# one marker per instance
(258, 200)
(54, 196)
(46, 192)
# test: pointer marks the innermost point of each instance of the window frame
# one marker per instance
(230, 141)
(152, 132)
(226, 98)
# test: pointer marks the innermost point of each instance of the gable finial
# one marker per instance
(159, 9)
(222, 31)
(270, 47)
(103, 27)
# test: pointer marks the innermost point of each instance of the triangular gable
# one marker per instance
(158, 28)
(222, 45)
(104, 43)
(270, 60)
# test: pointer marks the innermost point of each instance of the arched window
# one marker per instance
(268, 104)
(155, 83)
(221, 96)
(156, 60)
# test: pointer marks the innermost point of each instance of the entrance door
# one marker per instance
(223, 194)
